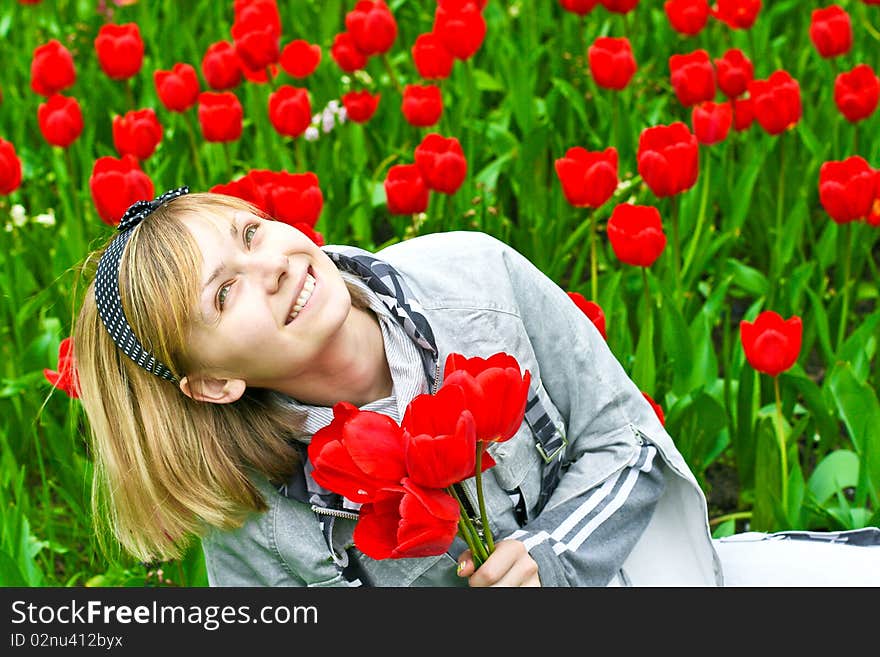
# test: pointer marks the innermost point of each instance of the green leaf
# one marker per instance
(573, 96)
(858, 406)
(748, 279)
(10, 575)
(860, 347)
(814, 401)
(644, 371)
(745, 436)
(838, 470)
(697, 422)
(768, 481)
(820, 322)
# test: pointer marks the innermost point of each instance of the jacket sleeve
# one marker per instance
(611, 480)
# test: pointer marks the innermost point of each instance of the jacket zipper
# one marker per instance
(336, 513)
(436, 383)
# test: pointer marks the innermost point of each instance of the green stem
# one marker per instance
(739, 515)
(676, 249)
(780, 436)
(200, 171)
(594, 266)
(129, 94)
(391, 74)
(701, 217)
(780, 198)
(484, 517)
(228, 156)
(646, 290)
(847, 263)
(468, 531)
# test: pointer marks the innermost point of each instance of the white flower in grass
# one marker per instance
(19, 216)
(311, 133)
(46, 219)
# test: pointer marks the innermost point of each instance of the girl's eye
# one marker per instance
(249, 234)
(221, 295)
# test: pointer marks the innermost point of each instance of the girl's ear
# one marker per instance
(215, 391)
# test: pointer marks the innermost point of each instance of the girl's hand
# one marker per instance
(509, 565)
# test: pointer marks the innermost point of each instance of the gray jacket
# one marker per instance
(480, 296)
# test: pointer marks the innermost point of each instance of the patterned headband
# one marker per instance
(107, 286)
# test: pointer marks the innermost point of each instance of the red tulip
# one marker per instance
(687, 16)
(261, 75)
(299, 58)
(743, 113)
(137, 132)
(657, 409)
(589, 178)
(738, 14)
(611, 62)
(636, 234)
(441, 439)
(847, 188)
(831, 31)
(258, 12)
(407, 521)
(433, 61)
(294, 198)
(345, 53)
(360, 105)
(668, 158)
(247, 189)
(592, 310)
(734, 71)
(10, 168)
(178, 89)
(221, 66)
(358, 453)
(441, 162)
(256, 47)
(495, 392)
(579, 7)
(692, 77)
(856, 93)
(711, 121)
(460, 26)
(290, 110)
(422, 104)
(776, 101)
(120, 50)
(65, 377)
(60, 119)
(372, 27)
(220, 116)
(771, 344)
(405, 190)
(52, 69)
(256, 33)
(619, 6)
(117, 183)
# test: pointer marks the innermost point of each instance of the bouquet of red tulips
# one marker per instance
(407, 477)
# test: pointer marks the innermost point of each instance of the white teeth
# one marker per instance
(303, 298)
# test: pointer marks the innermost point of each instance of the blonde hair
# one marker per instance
(167, 467)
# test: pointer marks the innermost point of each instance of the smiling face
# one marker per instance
(271, 301)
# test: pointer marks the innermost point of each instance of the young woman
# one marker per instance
(214, 342)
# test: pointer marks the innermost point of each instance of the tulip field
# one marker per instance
(702, 177)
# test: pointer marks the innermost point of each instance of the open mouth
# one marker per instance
(304, 295)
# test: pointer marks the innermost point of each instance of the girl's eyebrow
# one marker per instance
(233, 232)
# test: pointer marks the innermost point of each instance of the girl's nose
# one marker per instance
(272, 270)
